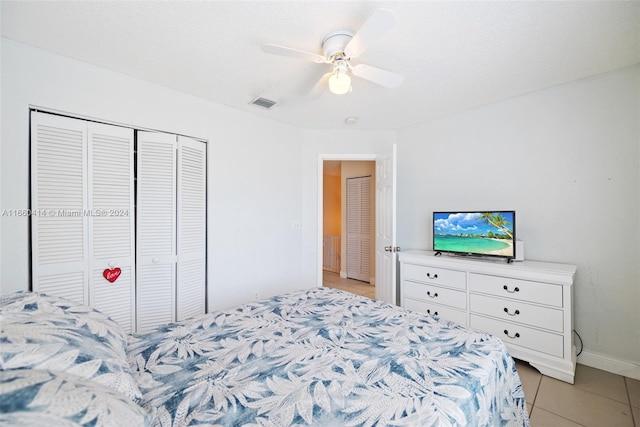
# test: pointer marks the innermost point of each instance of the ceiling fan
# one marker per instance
(340, 47)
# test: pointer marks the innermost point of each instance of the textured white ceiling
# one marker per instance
(454, 55)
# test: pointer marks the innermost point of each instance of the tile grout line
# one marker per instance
(535, 396)
(626, 387)
(551, 412)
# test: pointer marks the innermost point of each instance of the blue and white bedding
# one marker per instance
(328, 358)
(64, 364)
(320, 357)
(37, 398)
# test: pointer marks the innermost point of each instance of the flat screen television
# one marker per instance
(491, 234)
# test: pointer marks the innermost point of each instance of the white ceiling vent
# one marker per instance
(263, 102)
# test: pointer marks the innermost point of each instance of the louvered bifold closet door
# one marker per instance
(192, 213)
(353, 228)
(359, 217)
(60, 252)
(111, 222)
(155, 229)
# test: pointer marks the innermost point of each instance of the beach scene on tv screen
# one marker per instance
(485, 233)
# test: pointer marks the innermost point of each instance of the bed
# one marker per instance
(314, 357)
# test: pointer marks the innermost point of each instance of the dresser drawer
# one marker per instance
(524, 290)
(434, 294)
(441, 311)
(513, 334)
(513, 310)
(439, 276)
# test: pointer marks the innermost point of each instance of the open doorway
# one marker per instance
(348, 232)
(385, 218)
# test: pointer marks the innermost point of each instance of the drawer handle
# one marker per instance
(506, 288)
(435, 276)
(517, 335)
(435, 295)
(435, 313)
(515, 313)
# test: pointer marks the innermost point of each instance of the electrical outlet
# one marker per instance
(256, 296)
(296, 224)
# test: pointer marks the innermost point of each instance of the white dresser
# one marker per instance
(527, 304)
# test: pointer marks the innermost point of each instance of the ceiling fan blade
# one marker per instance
(379, 23)
(377, 75)
(274, 49)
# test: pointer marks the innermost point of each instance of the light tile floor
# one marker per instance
(598, 398)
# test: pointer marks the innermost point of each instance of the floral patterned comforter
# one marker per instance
(328, 358)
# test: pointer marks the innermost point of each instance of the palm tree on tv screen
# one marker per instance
(497, 221)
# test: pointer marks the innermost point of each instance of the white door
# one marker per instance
(156, 229)
(192, 228)
(359, 228)
(111, 222)
(386, 226)
(82, 199)
(60, 249)
(171, 228)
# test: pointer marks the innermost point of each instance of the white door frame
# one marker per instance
(321, 159)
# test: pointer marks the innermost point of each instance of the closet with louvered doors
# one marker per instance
(359, 223)
(171, 228)
(82, 222)
(118, 219)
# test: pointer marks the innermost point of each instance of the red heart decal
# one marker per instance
(112, 274)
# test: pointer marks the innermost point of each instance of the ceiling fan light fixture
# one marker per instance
(339, 82)
(340, 47)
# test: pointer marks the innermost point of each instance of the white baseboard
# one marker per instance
(610, 364)
(343, 274)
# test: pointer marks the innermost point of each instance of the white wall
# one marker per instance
(253, 165)
(567, 159)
